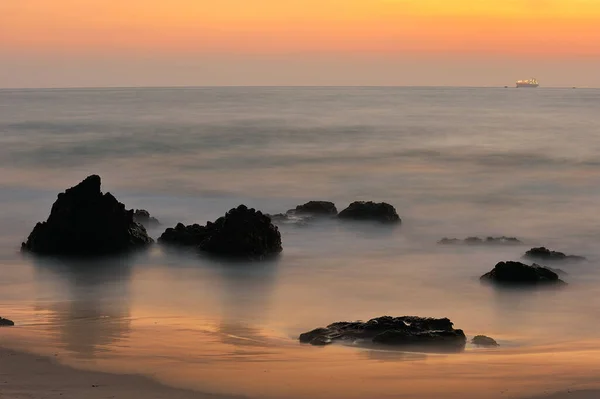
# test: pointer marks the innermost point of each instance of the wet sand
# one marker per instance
(35, 377)
(31, 376)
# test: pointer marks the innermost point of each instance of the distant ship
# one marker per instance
(528, 83)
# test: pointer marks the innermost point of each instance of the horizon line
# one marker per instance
(108, 87)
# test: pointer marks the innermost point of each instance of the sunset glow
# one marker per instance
(546, 27)
(305, 42)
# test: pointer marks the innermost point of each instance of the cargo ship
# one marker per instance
(528, 83)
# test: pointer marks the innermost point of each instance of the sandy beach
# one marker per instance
(29, 376)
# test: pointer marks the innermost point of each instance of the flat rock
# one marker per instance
(85, 222)
(143, 217)
(379, 212)
(6, 322)
(391, 331)
(543, 253)
(482, 340)
(517, 273)
(481, 241)
(241, 233)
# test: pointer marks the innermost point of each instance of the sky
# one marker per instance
(88, 43)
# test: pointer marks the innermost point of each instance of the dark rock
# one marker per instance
(482, 340)
(143, 217)
(449, 241)
(480, 241)
(386, 330)
(380, 212)
(85, 222)
(517, 273)
(543, 253)
(324, 208)
(241, 233)
(6, 322)
(185, 236)
(304, 213)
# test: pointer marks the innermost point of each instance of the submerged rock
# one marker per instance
(6, 322)
(386, 330)
(379, 212)
(480, 241)
(482, 340)
(85, 222)
(517, 273)
(543, 253)
(143, 217)
(241, 233)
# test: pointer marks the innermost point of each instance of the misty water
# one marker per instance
(455, 162)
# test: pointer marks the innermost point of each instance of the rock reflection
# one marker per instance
(89, 305)
(246, 290)
(393, 356)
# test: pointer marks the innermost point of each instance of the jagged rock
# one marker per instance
(324, 208)
(480, 241)
(241, 233)
(380, 212)
(85, 222)
(482, 340)
(6, 322)
(517, 273)
(543, 253)
(386, 330)
(143, 217)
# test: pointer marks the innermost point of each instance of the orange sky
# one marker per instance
(551, 29)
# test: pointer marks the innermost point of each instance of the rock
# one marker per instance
(480, 241)
(543, 253)
(185, 236)
(6, 322)
(143, 217)
(241, 233)
(85, 222)
(380, 212)
(304, 213)
(517, 273)
(482, 340)
(291, 217)
(323, 208)
(395, 331)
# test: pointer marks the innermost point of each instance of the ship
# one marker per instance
(528, 83)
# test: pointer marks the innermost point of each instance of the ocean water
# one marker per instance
(455, 162)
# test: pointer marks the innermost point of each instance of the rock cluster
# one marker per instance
(481, 241)
(543, 253)
(241, 233)
(386, 330)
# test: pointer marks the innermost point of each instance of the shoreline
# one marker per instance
(31, 376)
(25, 375)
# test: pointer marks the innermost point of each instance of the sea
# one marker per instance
(454, 162)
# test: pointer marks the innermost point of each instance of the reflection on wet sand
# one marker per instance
(94, 312)
(245, 291)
